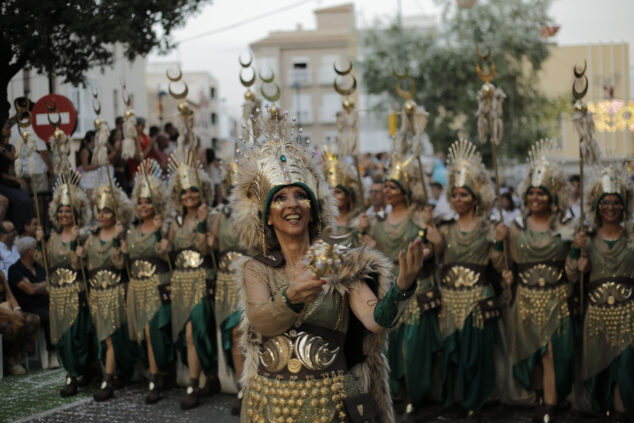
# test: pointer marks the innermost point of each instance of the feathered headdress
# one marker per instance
(118, 202)
(280, 159)
(185, 172)
(610, 177)
(67, 192)
(546, 173)
(340, 173)
(466, 170)
(149, 183)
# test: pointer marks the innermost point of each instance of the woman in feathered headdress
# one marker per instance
(539, 323)
(193, 279)
(465, 246)
(314, 348)
(105, 262)
(72, 330)
(608, 257)
(416, 338)
(149, 313)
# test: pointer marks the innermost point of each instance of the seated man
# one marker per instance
(8, 252)
(18, 329)
(27, 280)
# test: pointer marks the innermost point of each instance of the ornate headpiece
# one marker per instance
(611, 178)
(466, 170)
(69, 180)
(118, 202)
(185, 173)
(339, 173)
(149, 184)
(544, 172)
(280, 159)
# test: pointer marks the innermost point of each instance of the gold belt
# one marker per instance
(62, 277)
(461, 277)
(189, 259)
(541, 276)
(105, 279)
(142, 269)
(610, 293)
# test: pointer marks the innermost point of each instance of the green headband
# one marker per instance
(311, 196)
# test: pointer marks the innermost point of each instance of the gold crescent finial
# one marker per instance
(343, 72)
(249, 82)
(23, 114)
(55, 123)
(178, 96)
(578, 95)
(51, 108)
(96, 104)
(271, 98)
(268, 80)
(403, 75)
(583, 72)
(125, 96)
(248, 63)
(485, 77)
(176, 78)
(485, 57)
(346, 91)
(409, 94)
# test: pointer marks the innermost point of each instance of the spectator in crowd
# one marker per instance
(42, 165)
(438, 200)
(509, 211)
(118, 123)
(118, 164)
(84, 159)
(212, 166)
(439, 172)
(145, 143)
(377, 199)
(30, 226)
(8, 251)
(27, 281)
(574, 208)
(160, 150)
(154, 131)
(171, 132)
(18, 203)
(18, 328)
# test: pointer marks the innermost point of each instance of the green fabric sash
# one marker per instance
(76, 348)
(600, 386)
(226, 330)
(161, 338)
(203, 329)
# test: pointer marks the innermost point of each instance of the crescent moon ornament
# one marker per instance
(486, 77)
(485, 57)
(343, 72)
(271, 98)
(56, 122)
(174, 78)
(268, 80)
(51, 108)
(583, 72)
(578, 95)
(249, 82)
(125, 96)
(178, 96)
(96, 104)
(345, 91)
(403, 75)
(248, 63)
(406, 95)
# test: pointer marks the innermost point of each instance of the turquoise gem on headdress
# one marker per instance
(283, 158)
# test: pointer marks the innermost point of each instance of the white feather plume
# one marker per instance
(128, 147)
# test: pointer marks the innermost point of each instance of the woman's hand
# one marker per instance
(202, 213)
(584, 263)
(305, 289)
(157, 222)
(410, 263)
(428, 215)
(211, 240)
(580, 239)
(163, 245)
(39, 233)
(124, 246)
(507, 277)
(81, 253)
(501, 232)
(364, 223)
(367, 241)
(433, 234)
(118, 229)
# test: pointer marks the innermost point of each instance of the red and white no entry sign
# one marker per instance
(41, 113)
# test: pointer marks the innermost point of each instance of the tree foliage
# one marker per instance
(442, 65)
(65, 38)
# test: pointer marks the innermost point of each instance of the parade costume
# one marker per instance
(72, 329)
(107, 280)
(192, 283)
(318, 363)
(148, 298)
(540, 313)
(469, 338)
(608, 331)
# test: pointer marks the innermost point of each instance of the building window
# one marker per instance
(326, 71)
(302, 108)
(299, 76)
(330, 105)
(212, 93)
(214, 143)
(213, 118)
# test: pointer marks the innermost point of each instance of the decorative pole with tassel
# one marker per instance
(490, 123)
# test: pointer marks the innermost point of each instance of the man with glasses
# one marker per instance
(377, 199)
(8, 251)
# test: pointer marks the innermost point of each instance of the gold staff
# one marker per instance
(491, 130)
(24, 121)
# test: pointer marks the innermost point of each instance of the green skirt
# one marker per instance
(161, 337)
(468, 361)
(126, 351)
(601, 385)
(226, 330)
(76, 347)
(204, 332)
(410, 355)
(563, 343)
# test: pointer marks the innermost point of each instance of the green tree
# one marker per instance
(442, 65)
(65, 38)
